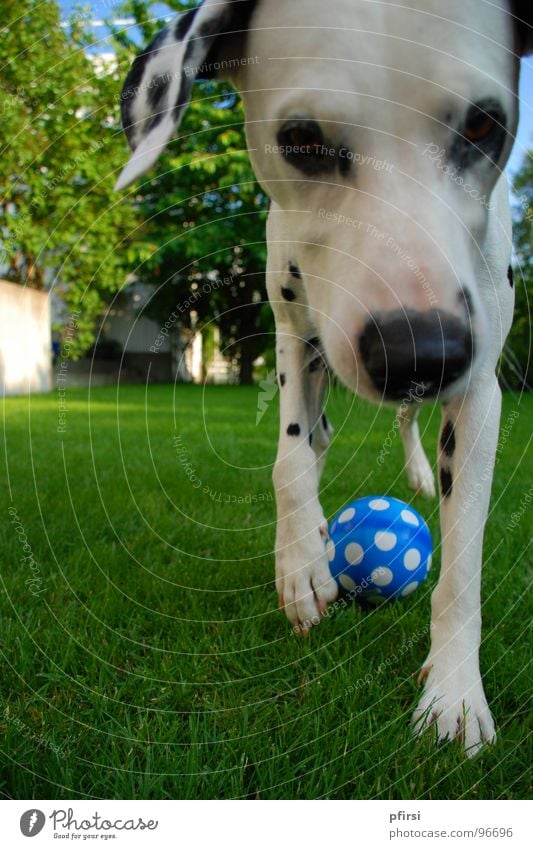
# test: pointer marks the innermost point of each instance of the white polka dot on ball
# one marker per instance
(385, 540)
(374, 598)
(382, 576)
(347, 582)
(430, 561)
(411, 559)
(354, 553)
(410, 588)
(378, 504)
(410, 518)
(330, 550)
(347, 514)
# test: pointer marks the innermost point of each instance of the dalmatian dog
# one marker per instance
(379, 131)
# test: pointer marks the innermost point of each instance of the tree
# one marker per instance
(205, 212)
(517, 360)
(62, 225)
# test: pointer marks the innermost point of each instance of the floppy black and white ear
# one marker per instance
(158, 87)
(522, 11)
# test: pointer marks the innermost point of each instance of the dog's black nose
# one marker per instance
(415, 353)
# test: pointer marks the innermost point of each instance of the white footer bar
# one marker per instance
(266, 825)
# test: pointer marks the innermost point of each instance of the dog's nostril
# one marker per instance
(408, 353)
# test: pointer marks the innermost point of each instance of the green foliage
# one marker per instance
(517, 360)
(205, 217)
(62, 225)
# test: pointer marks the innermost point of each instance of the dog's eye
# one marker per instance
(305, 139)
(302, 143)
(482, 135)
(479, 125)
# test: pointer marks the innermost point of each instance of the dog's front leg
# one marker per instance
(454, 700)
(303, 579)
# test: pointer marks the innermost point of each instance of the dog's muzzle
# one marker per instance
(418, 354)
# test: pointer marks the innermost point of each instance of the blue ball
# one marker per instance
(380, 549)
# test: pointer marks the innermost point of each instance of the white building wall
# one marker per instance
(25, 340)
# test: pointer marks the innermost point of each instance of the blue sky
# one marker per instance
(524, 139)
(101, 9)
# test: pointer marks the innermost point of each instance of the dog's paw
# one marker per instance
(421, 478)
(454, 707)
(303, 579)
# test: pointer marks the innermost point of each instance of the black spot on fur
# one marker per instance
(288, 294)
(127, 120)
(184, 24)
(212, 27)
(447, 439)
(293, 430)
(310, 438)
(282, 379)
(189, 52)
(316, 364)
(157, 118)
(510, 276)
(295, 271)
(324, 421)
(158, 88)
(446, 483)
(182, 98)
(313, 343)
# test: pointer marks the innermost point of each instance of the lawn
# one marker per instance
(144, 655)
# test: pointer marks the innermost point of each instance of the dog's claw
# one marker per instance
(454, 707)
(423, 674)
(303, 578)
(322, 606)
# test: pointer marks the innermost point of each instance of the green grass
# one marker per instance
(146, 657)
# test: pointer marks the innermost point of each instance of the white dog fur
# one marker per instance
(387, 228)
